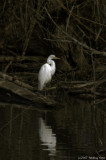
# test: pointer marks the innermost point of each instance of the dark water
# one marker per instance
(75, 131)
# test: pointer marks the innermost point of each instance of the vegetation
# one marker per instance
(74, 30)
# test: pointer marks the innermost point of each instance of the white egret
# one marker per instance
(46, 72)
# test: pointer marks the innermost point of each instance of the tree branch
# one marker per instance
(74, 40)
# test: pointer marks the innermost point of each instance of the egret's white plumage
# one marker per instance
(47, 137)
(46, 72)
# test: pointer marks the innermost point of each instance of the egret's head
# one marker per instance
(52, 57)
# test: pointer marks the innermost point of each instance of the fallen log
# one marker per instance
(26, 94)
(84, 88)
(8, 78)
(89, 88)
(25, 107)
(12, 85)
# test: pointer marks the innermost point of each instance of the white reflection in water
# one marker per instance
(47, 137)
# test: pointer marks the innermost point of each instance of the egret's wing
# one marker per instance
(44, 75)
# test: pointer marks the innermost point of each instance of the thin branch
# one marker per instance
(94, 51)
(20, 58)
(70, 16)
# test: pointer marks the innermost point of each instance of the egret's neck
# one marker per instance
(52, 65)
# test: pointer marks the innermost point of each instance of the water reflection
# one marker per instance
(47, 137)
(78, 129)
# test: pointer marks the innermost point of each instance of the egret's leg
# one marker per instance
(45, 93)
(65, 77)
(49, 85)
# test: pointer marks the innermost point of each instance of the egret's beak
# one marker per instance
(56, 58)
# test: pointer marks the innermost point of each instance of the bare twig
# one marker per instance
(67, 24)
(6, 68)
(69, 37)
(20, 58)
(28, 35)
